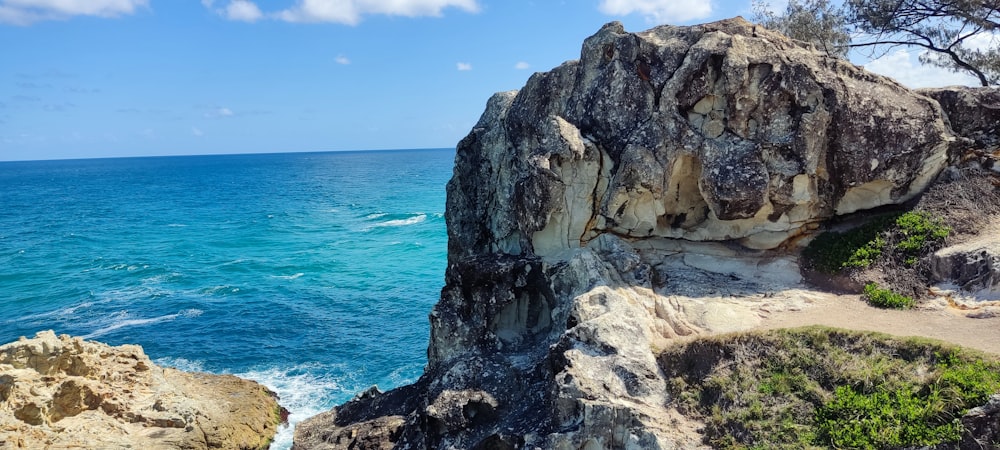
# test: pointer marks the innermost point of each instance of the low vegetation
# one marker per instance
(819, 387)
(912, 233)
(893, 249)
(885, 298)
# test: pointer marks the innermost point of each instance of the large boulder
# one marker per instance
(63, 392)
(622, 201)
(722, 131)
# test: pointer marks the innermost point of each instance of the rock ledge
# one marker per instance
(64, 392)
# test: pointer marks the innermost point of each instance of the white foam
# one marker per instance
(176, 225)
(302, 393)
(420, 217)
(375, 216)
(184, 364)
(289, 277)
(120, 320)
(70, 310)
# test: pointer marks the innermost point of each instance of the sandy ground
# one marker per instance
(848, 311)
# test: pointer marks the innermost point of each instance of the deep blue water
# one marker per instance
(312, 273)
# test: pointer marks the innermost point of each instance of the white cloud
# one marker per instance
(521, 65)
(905, 68)
(220, 112)
(341, 59)
(26, 12)
(243, 11)
(350, 11)
(659, 11)
(196, 132)
(463, 66)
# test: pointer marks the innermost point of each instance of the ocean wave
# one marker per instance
(418, 218)
(62, 312)
(119, 320)
(374, 216)
(176, 225)
(184, 364)
(289, 277)
(301, 391)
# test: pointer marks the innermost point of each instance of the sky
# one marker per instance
(109, 78)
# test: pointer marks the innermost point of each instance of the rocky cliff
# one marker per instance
(63, 392)
(640, 194)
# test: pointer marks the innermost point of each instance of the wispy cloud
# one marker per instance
(904, 67)
(220, 112)
(237, 10)
(659, 11)
(341, 59)
(350, 12)
(521, 65)
(57, 107)
(462, 66)
(27, 12)
(196, 132)
(33, 85)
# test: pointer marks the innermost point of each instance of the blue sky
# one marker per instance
(97, 78)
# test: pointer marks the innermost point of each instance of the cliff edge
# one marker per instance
(643, 193)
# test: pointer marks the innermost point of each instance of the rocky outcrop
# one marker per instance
(973, 112)
(63, 392)
(624, 200)
(720, 131)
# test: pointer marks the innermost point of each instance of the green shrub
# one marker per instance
(885, 419)
(916, 231)
(819, 387)
(919, 230)
(885, 298)
(832, 252)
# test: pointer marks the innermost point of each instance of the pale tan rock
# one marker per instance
(64, 392)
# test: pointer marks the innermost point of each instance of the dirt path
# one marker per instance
(848, 311)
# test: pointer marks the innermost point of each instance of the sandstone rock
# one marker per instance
(721, 131)
(973, 112)
(63, 392)
(968, 272)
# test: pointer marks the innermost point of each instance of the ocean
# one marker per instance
(311, 273)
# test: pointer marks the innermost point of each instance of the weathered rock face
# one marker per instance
(62, 392)
(581, 218)
(713, 132)
(974, 112)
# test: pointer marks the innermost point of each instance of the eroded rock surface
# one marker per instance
(712, 132)
(973, 112)
(63, 392)
(625, 200)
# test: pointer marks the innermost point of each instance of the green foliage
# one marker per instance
(885, 298)
(832, 252)
(884, 419)
(919, 230)
(916, 231)
(818, 387)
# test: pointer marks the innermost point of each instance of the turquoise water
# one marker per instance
(312, 273)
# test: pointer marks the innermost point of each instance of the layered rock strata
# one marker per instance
(63, 392)
(626, 199)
